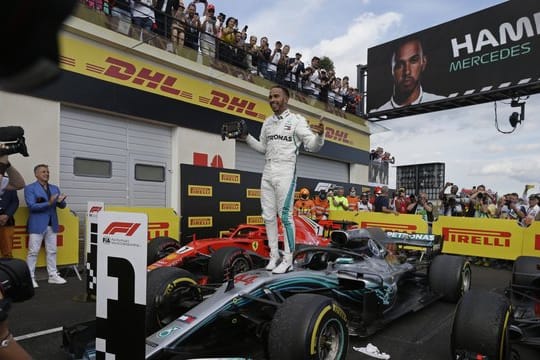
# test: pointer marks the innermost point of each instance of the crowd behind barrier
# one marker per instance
(475, 203)
(459, 216)
(218, 37)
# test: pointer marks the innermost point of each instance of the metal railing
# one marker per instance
(211, 51)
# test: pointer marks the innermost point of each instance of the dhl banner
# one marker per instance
(115, 67)
(67, 239)
(161, 221)
(491, 238)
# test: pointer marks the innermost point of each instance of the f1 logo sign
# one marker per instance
(126, 228)
(95, 209)
(120, 280)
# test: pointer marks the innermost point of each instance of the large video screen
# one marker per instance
(490, 51)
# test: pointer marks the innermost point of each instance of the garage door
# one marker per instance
(307, 166)
(112, 159)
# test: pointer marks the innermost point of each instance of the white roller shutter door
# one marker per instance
(124, 143)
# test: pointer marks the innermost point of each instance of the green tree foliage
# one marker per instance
(327, 63)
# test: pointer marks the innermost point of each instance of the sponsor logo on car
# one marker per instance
(168, 331)
(389, 226)
(188, 319)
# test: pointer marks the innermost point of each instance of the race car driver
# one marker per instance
(279, 141)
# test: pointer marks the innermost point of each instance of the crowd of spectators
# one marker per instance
(476, 202)
(481, 203)
(198, 26)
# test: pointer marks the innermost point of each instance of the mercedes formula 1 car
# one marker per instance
(215, 260)
(495, 326)
(365, 279)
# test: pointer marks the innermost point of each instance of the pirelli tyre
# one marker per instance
(450, 276)
(226, 262)
(480, 327)
(308, 326)
(171, 291)
(160, 247)
(525, 271)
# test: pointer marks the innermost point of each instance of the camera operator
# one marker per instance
(452, 203)
(15, 286)
(514, 210)
(14, 143)
(10, 177)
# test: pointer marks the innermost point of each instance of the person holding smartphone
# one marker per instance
(42, 199)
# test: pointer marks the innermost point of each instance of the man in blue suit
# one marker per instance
(42, 200)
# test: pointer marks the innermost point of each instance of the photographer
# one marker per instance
(452, 202)
(424, 208)
(479, 202)
(307, 86)
(294, 68)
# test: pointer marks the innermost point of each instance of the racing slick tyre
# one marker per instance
(525, 271)
(450, 276)
(160, 247)
(171, 292)
(226, 262)
(308, 326)
(480, 326)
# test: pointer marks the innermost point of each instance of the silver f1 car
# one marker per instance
(366, 279)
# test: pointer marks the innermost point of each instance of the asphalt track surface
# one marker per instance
(37, 323)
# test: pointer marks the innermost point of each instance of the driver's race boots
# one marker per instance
(272, 263)
(286, 265)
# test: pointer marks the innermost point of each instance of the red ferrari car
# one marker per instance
(215, 260)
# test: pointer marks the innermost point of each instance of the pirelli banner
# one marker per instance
(214, 200)
(492, 238)
(67, 239)
(484, 56)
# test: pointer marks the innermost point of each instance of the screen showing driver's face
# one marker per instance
(409, 63)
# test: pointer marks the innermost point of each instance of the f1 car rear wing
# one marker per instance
(416, 240)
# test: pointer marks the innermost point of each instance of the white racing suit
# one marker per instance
(279, 141)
